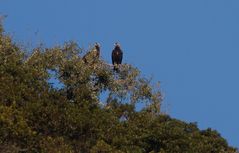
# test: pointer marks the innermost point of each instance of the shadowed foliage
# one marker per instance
(70, 116)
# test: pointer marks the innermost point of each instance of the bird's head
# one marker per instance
(97, 45)
(117, 45)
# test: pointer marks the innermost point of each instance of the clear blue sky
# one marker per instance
(192, 47)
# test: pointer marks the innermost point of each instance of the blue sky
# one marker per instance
(190, 46)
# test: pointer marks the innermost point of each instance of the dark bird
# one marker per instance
(92, 55)
(117, 56)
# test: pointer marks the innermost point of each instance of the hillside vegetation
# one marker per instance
(91, 109)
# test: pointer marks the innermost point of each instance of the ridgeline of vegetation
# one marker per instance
(35, 116)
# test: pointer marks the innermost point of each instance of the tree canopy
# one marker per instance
(91, 109)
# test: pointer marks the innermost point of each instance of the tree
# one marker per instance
(38, 116)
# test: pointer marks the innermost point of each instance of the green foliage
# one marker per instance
(35, 116)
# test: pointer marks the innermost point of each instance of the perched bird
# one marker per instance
(92, 55)
(117, 56)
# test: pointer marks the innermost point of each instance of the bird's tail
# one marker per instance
(116, 68)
